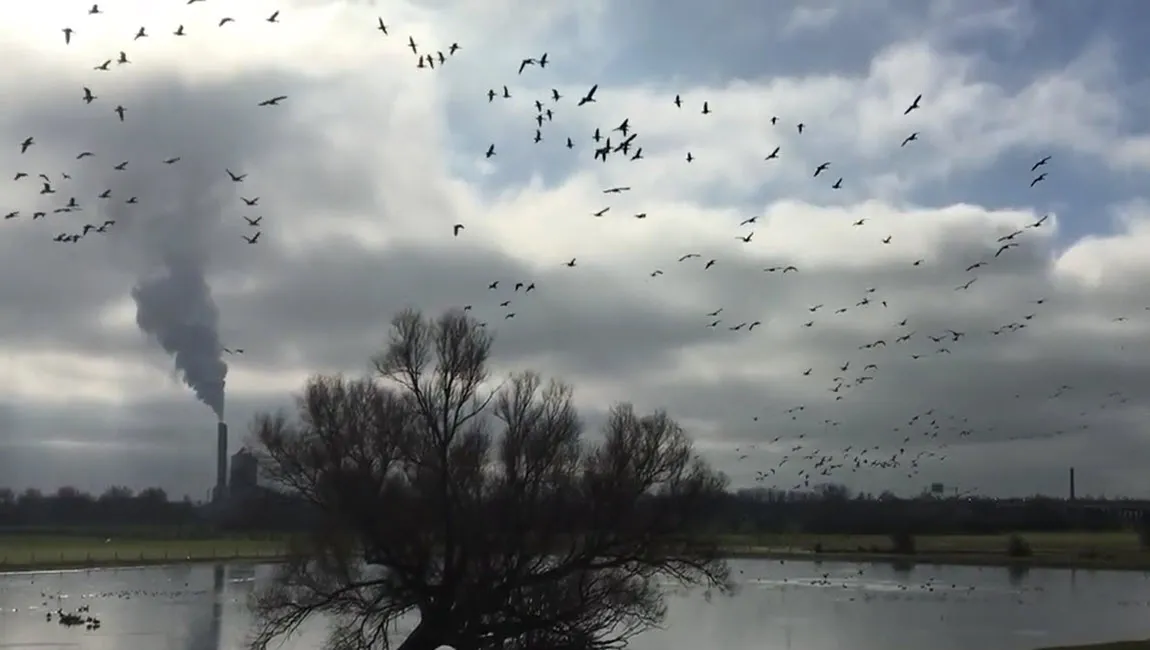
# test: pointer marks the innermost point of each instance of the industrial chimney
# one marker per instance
(1072, 495)
(221, 461)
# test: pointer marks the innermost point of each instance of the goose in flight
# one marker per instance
(774, 154)
(689, 256)
(910, 138)
(88, 96)
(179, 31)
(172, 161)
(381, 27)
(274, 18)
(490, 151)
(28, 142)
(456, 229)
(411, 44)
(1005, 247)
(103, 66)
(822, 168)
(225, 21)
(250, 202)
(616, 190)
(254, 238)
(140, 34)
(571, 263)
(589, 97)
(253, 222)
(913, 105)
(94, 10)
(1040, 163)
(1037, 179)
(274, 101)
(119, 110)
(526, 62)
(123, 58)
(236, 178)
(68, 31)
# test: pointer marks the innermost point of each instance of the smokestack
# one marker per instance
(1072, 495)
(221, 459)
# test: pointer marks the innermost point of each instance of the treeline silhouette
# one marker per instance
(826, 509)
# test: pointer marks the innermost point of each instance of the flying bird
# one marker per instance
(274, 101)
(590, 96)
(913, 105)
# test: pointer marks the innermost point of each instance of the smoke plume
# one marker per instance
(175, 307)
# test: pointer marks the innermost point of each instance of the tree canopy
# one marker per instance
(482, 512)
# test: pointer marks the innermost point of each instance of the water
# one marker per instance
(798, 605)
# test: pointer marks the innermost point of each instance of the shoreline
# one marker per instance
(969, 559)
(976, 559)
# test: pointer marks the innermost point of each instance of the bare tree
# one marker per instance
(485, 514)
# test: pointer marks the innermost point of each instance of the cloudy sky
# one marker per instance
(362, 172)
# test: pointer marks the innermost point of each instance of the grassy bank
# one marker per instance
(1119, 550)
(77, 549)
(21, 552)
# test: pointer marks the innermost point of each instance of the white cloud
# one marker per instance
(370, 162)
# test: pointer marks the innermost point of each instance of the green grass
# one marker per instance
(61, 548)
(28, 551)
(1117, 550)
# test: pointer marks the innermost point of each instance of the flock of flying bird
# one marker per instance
(925, 435)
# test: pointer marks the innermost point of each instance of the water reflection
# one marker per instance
(827, 606)
(204, 630)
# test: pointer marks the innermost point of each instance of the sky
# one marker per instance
(364, 169)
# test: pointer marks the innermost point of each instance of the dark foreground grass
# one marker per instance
(26, 550)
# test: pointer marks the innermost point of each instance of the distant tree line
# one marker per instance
(826, 509)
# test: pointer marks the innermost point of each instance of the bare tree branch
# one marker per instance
(487, 515)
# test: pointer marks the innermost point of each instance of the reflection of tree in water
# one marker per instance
(204, 630)
(1017, 573)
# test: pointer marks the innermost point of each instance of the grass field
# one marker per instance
(1119, 550)
(56, 549)
(33, 551)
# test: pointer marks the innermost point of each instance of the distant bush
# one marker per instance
(902, 542)
(1017, 546)
(1144, 533)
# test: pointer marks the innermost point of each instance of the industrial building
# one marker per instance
(241, 479)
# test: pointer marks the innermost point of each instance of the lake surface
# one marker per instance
(800, 605)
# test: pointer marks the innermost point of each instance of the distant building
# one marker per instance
(243, 477)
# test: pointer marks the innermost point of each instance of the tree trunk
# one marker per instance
(423, 637)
